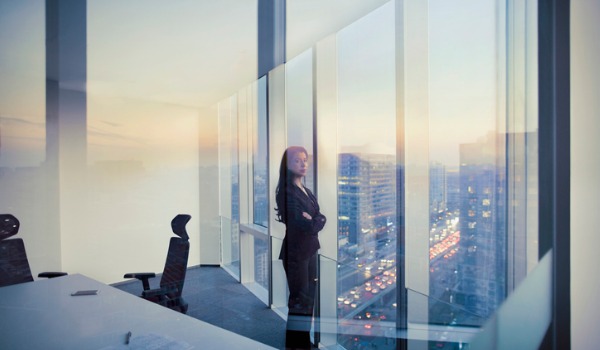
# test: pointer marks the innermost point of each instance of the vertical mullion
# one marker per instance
(554, 166)
(401, 316)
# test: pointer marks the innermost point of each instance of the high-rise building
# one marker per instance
(367, 204)
(260, 197)
(481, 265)
(437, 188)
(453, 189)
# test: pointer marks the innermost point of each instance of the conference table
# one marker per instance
(44, 315)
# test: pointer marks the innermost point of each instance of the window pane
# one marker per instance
(261, 261)
(234, 264)
(260, 158)
(228, 185)
(324, 18)
(482, 151)
(467, 169)
(366, 173)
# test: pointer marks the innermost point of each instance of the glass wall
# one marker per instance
(244, 197)
(27, 183)
(434, 107)
(100, 141)
(142, 135)
(260, 203)
(22, 92)
(436, 169)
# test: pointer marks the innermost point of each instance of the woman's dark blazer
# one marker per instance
(301, 234)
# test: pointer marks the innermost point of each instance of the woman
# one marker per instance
(298, 209)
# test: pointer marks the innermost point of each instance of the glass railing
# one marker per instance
(366, 310)
(523, 319)
(254, 252)
(279, 293)
(230, 249)
(357, 307)
(364, 315)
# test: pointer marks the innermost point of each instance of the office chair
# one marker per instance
(173, 276)
(14, 266)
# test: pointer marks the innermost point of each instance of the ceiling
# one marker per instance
(195, 53)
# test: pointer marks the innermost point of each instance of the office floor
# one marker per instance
(217, 298)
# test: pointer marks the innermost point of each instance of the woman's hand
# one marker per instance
(306, 215)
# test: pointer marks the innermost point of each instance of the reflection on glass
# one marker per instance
(22, 87)
(467, 234)
(478, 184)
(261, 261)
(260, 160)
(299, 108)
(374, 329)
(366, 285)
(481, 169)
(25, 181)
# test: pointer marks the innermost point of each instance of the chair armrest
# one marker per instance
(52, 274)
(165, 296)
(158, 292)
(151, 293)
(142, 276)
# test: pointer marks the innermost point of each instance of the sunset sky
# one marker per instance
(147, 64)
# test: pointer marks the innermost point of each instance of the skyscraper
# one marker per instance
(367, 204)
(437, 187)
(481, 267)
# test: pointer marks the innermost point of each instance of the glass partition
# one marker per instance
(514, 326)
(23, 86)
(26, 182)
(140, 124)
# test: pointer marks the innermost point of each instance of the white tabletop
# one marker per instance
(44, 315)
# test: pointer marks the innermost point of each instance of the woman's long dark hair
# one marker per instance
(285, 179)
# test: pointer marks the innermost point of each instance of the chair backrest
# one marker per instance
(178, 225)
(177, 257)
(176, 265)
(14, 266)
(9, 226)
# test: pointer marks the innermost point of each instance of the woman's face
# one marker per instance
(298, 163)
